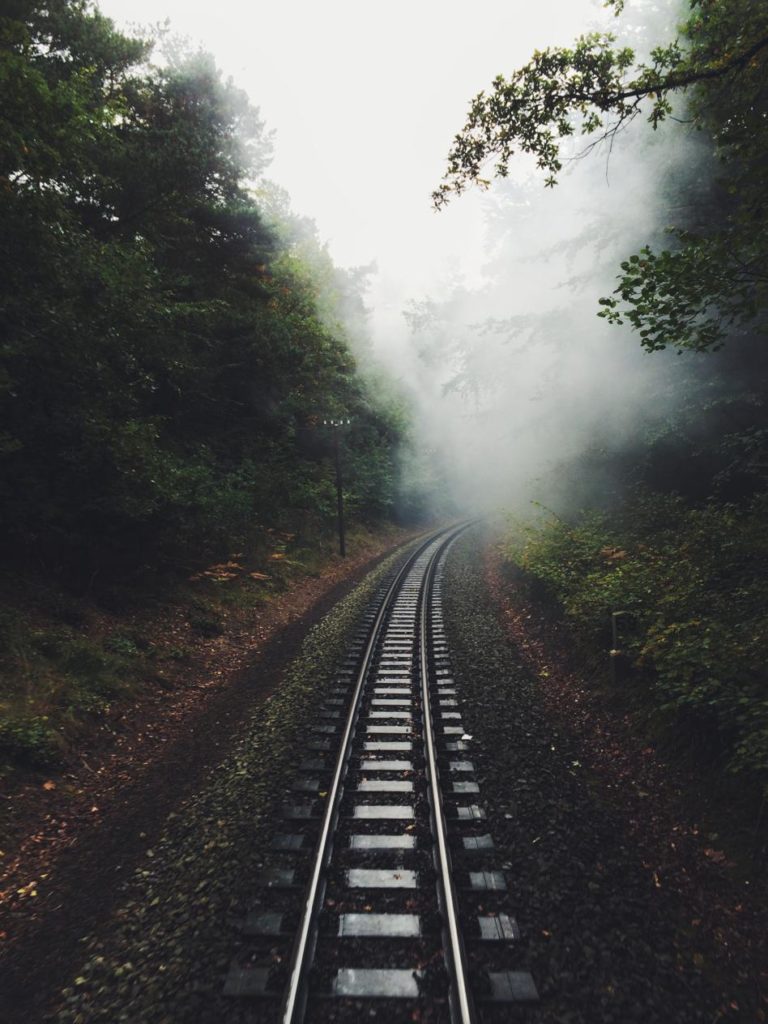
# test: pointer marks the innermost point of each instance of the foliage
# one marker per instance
(166, 351)
(595, 87)
(171, 338)
(714, 279)
(52, 680)
(695, 295)
(30, 740)
(693, 585)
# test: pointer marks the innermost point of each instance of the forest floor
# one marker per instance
(71, 837)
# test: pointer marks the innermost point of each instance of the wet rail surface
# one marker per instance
(384, 888)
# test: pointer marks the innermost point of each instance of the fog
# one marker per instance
(516, 379)
(516, 376)
(485, 311)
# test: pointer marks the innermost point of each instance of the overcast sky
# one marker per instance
(364, 100)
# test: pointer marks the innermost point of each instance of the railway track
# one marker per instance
(383, 895)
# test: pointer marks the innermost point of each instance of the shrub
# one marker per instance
(30, 740)
(694, 585)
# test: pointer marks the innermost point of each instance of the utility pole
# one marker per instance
(336, 426)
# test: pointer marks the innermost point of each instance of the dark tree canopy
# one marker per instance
(165, 352)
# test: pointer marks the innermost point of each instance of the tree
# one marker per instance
(164, 344)
(710, 283)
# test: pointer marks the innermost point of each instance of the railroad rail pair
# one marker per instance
(384, 885)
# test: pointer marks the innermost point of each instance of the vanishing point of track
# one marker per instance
(383, 890)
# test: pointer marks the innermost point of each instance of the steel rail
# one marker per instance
(461, 1003)
(294, 1001)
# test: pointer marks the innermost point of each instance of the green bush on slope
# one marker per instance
(694, 586)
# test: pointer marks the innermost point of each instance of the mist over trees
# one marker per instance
(171, 337)
(657, 487)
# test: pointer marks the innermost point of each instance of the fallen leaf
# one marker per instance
(717, 856)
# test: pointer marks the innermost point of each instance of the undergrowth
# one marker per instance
(69, 661)
(693, 587)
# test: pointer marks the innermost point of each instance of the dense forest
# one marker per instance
(172, 340)
(169, 352)
(664, 520)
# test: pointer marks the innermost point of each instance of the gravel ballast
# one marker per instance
(604, 939)
(169, 947)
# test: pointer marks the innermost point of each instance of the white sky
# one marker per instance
(364, 100)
